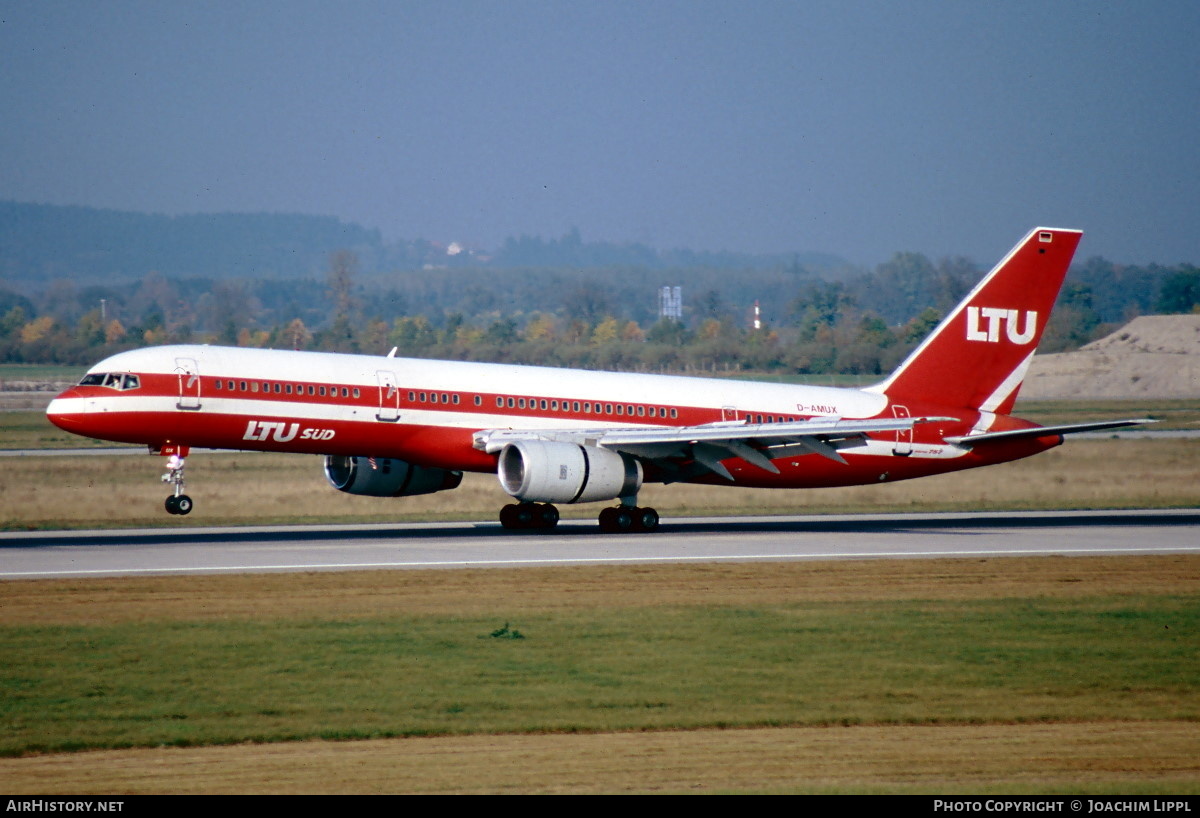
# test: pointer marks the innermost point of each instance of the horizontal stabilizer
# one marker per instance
(1044, 431)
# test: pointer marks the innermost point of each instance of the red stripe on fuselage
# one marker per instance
(450, 447)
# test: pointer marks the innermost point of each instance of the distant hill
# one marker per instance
(1155, 356)
(40, 243)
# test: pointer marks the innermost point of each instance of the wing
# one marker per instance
(709, 444)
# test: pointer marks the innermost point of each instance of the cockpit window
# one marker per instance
(113, 380)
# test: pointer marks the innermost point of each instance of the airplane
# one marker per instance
(397, 427)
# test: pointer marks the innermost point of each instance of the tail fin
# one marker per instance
(977, 357)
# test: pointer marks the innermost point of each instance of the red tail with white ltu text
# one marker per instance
(978, 356)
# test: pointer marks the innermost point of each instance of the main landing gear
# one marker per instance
(177, 503)
(628, 519)
(544, 517)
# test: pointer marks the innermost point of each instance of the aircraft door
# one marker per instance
(903, 447)
(389, 397)
(189, 383)
(729, 413)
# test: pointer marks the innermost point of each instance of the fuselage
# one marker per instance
(428, 412)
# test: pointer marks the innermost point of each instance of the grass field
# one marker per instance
(41, 372)
(740, 673)
(245, 488)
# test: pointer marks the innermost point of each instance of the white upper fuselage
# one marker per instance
(607, 393)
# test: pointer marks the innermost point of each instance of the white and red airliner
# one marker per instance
(393, 427)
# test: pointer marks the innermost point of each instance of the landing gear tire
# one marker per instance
(542, 516)
(623, 519)
(547, 516)
(181, 504)
(646, 519)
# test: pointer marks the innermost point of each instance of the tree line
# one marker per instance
(603, 318)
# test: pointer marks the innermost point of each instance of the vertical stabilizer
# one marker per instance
(977, 357)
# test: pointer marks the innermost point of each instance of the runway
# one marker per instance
(142, 552)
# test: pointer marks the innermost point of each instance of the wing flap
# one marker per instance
(709, 444)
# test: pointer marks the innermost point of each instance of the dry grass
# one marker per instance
(1124, 757)
(243, 488)
(472, 593)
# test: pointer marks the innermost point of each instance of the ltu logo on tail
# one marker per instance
(995, 316)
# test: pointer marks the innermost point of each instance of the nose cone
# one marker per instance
(66, 411)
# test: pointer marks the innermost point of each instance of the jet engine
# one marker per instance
(548, 472)
(386, 477)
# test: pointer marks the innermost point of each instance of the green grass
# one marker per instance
(1171, 414)
(31, 430)
(41, 372)
(627, 668)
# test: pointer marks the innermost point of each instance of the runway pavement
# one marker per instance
(680, 540)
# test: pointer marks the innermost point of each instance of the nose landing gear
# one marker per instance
(177, 503)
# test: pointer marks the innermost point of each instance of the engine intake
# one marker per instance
(387, 477)
(547, 472)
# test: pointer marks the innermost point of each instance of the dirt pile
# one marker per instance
(1152, 356)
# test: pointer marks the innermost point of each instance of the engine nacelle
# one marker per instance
(387, 478)
(547, 472)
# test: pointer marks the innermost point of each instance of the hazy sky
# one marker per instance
(858, 128)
